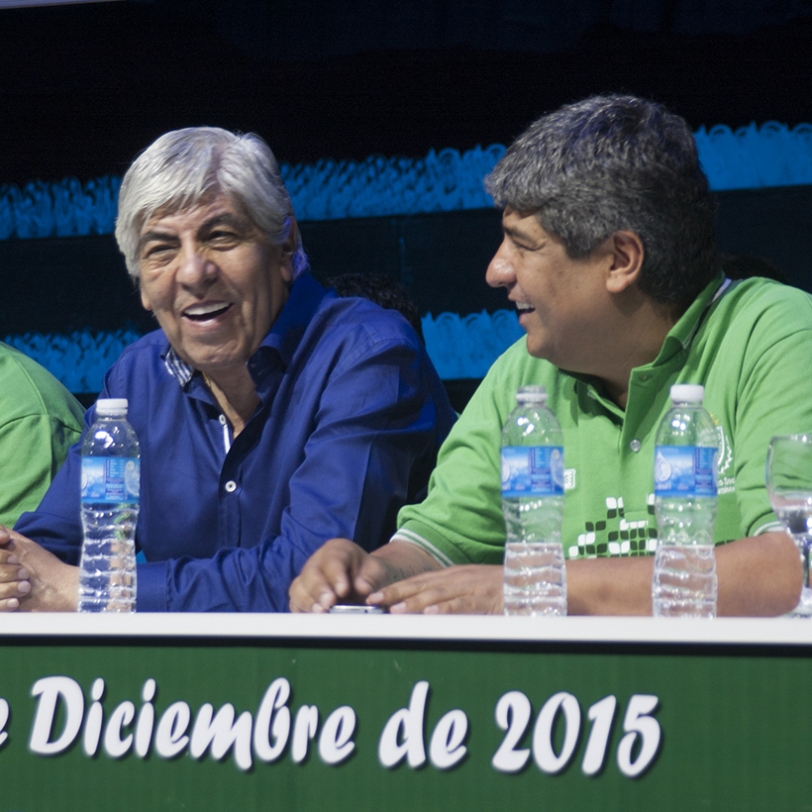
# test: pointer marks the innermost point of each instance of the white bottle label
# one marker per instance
(685, 470)
(532, 471)
(115, 480)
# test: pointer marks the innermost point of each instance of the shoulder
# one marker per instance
(762, 303)
(514, 368)
(752, 317)
(139, 365)
(353, 312)
(149, 347)
(28, 389)
(358, 326)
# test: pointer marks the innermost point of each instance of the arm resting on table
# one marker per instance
(758, 576)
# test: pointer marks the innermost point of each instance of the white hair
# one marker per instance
(183, 167)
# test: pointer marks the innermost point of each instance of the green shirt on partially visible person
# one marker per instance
(748, 342)
(39, 421)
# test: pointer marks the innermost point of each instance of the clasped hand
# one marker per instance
(32, 579)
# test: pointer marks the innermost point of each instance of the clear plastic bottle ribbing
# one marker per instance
(110, 492)
(685, 503)
(532, 457)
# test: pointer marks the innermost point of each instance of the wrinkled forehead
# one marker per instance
(194, 210)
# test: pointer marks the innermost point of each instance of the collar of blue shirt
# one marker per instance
(306, 294)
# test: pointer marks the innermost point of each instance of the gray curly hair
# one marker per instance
(612, 163)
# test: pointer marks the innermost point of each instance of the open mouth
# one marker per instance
(206, 312)
(523, 307)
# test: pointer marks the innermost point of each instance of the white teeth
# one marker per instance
(205, 309)
(523, 306)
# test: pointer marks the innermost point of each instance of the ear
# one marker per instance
(627, 254)
(144, 299)
(288, 252)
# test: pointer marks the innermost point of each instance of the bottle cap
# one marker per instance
(531, 394)
(111, 407)
(687, 393)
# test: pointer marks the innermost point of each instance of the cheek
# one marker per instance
(154, 295)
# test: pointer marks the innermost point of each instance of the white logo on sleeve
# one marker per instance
(726, 482)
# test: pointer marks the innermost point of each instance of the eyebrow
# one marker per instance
(517, 233)
(156, 234)
(226, 218)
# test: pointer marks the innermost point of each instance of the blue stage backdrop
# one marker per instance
(747, 158)
(462, 346)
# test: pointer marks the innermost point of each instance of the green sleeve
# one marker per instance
(39, 421)
(33, 448)
(755, 348)
(775, 397)
(460, 520)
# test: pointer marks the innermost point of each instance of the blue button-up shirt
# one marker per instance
(352, 414)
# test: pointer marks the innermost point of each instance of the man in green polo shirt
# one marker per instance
(39, 421)
(609, 256)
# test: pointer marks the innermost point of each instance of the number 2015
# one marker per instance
(513, 713)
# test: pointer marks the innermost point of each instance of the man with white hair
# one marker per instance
(272, 415)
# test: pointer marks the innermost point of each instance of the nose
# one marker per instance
(500, 273)
(196, 270)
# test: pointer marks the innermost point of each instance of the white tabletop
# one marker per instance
(284, 627)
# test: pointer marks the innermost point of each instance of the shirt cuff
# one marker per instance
(151, 587)
(420, 541)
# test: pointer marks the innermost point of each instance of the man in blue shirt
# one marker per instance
(272, 415)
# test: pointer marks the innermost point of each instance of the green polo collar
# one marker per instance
(678, 340)
(681, 334)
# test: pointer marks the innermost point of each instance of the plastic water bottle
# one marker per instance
(533, 505)
(684, 582)
(110, 493)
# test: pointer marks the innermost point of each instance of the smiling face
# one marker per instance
(561, 302)
(214, 283)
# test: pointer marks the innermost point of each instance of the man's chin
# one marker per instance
(534, 348)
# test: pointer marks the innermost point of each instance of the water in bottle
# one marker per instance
(535, 578)
(109, 500)
(684, 582)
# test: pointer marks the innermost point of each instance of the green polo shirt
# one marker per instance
(748, 343)
(39, 421)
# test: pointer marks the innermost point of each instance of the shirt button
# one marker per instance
(231, 486)
(644, 377)
(222, 420)
(634, 445)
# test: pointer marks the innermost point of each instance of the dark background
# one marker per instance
(83, 88)
(74, 283)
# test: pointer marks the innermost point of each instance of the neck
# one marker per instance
(235, 394)
(638, 338)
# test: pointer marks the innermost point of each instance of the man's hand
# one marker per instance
(470, 589)
(340, 570)
(48, 585)
(14, 583)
